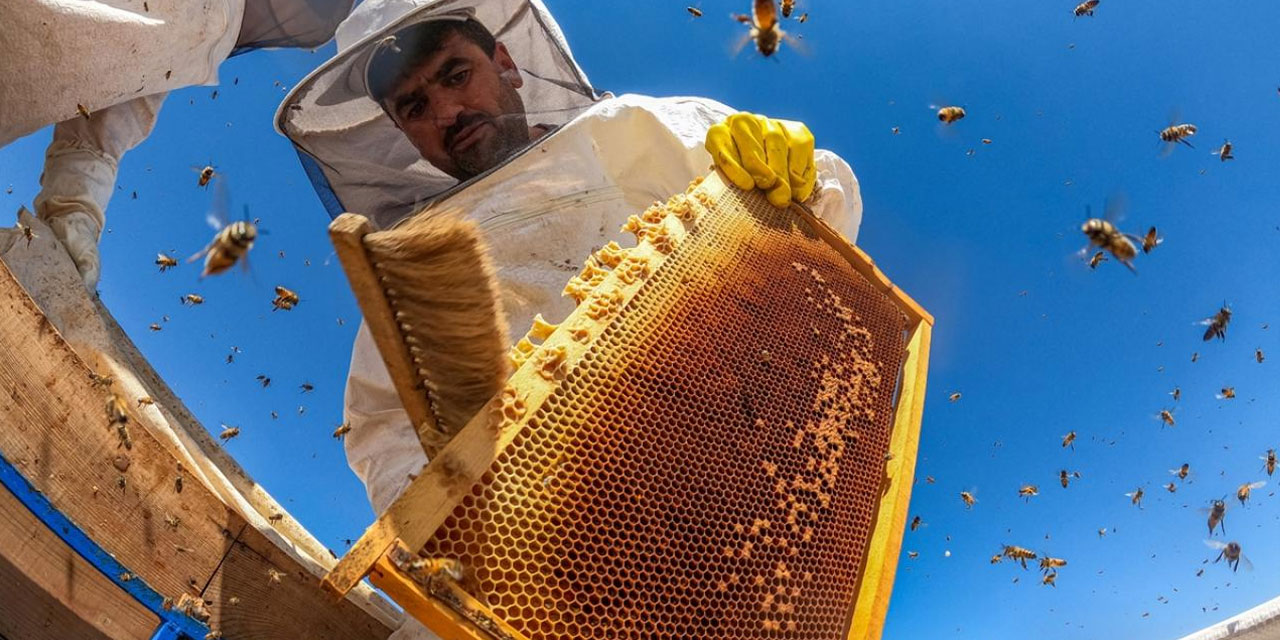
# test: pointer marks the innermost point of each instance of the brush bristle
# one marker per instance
(439, 280)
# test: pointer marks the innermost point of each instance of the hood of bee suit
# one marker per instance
(354, 155)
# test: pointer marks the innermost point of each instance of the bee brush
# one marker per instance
(430, 300)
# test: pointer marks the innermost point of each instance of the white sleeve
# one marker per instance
(80, 164)
(382, 447)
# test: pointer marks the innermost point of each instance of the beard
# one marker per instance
(510, 134)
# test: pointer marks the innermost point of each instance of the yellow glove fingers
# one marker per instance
(748, 135)
(725, 156)
(777, 151)
(801, 170)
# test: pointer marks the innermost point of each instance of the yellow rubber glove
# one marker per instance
(756, 152)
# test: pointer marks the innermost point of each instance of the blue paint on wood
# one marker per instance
(174, 625)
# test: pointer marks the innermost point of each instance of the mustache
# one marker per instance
(462, 122)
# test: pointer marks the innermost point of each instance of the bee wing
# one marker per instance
(1248, 566)
(799, 46)
(217, 215)
(1214, 544)
(1113, 210)
(736, 47)
(201, 253)
(1257, 485)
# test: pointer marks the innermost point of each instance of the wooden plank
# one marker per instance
(47, 590)
(294, 607)
(347, 233)
(875, 584)
(863, 264)
(54, 430)
(432, 613)
(423, 506)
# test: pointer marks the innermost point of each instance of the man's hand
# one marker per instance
(756, 152)
(78, 232)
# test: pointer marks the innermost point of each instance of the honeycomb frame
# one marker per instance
(453, 478)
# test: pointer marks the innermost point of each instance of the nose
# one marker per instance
(444, 112)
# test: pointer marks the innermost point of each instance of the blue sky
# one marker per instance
(1071, 107)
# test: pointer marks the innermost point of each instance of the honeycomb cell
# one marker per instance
(674, 485)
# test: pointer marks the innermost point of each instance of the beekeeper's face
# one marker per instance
(460, 107)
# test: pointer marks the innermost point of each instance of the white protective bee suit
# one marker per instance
(118, 59)
(557, 200)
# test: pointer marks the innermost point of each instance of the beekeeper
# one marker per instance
(102, 68)
(482, 104)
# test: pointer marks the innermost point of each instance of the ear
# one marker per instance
(506, 66)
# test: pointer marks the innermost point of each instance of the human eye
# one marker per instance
(415, 109)
(457, 79)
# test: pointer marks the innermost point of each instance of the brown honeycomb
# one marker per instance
(677, 484)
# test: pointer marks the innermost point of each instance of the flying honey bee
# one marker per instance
(1018, 554)
(1176, 133)
(996, 559)
(307, 387)
(1102, 532)
(787, 7)
(1028, 492)
(764, 28)
(1269, 461)
(207, 174)
(1171, 487)
(1051, 565)
(955, 395)
(145, 401)
(1217, 516)
(1217, 324)
(1227, 393)
(192, 299)
(1064, 478)
(82, 111)
(345, 428)
(1102, 233)
(1135, 497)
(1195, 356)
(694, 11)
(1086, 8)
(1231, 551)
(1069, 440)
(228, 432)
(285, 299)
(1182, 471)
(1258, 355)
(1242, 493)
(1050, 579)
(231, 243)
(26, 230)
(916, 522)
(967, 498)
(274, 576)
(1151, 240)
(804, 17)
(912, 555)
(116, 413)
(950, 114)
(154, 327)
(1166, 418)
(165, 262)
(1224, 152)
(1097, 259)
(1176, 393)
